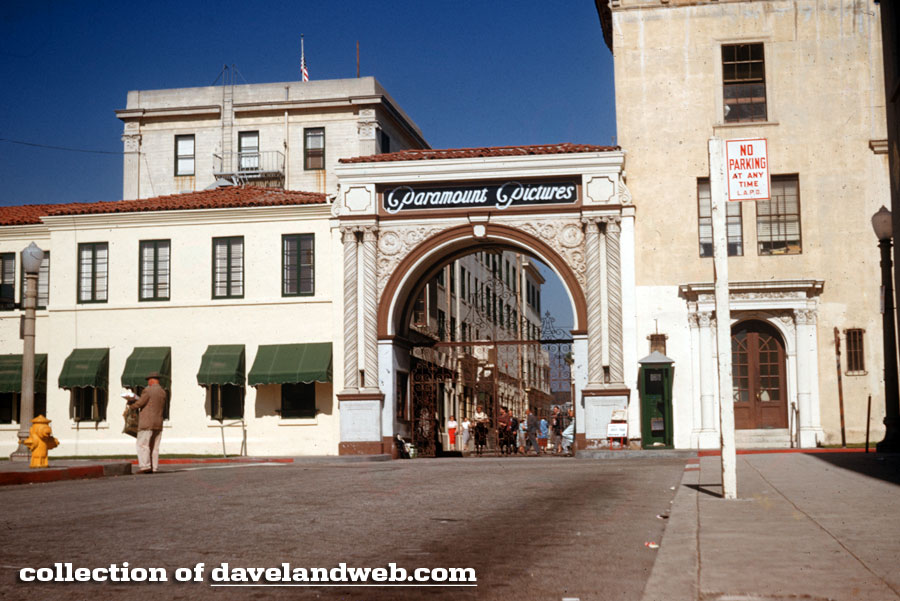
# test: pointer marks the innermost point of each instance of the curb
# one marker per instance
(628, 454)
(717, 452)
(50, 474)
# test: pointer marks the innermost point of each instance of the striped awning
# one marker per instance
(86, 368)
(291, 364)
(11, 373)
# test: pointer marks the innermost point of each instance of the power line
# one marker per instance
(58, 147)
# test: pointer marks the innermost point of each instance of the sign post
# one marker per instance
(738, 171)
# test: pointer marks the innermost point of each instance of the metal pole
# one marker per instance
(868, 421)
(891, 442)
(26, 407)
(717, 188)
(837, 351)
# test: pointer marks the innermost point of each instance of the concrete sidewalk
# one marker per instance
(805, 526)
(18, 472)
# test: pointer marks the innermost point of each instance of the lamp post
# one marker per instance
(881, 223)
(31, 265)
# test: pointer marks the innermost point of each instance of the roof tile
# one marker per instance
(488, 151)
(219, 198)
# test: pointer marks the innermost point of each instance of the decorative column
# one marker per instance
(595, 316)
(370, 309)
(803, 320)
(614, 293)
(708, 435)
(351, 310)
(696, 382)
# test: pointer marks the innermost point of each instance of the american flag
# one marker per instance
(304, 72)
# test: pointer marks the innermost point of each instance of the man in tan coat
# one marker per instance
(150, 424)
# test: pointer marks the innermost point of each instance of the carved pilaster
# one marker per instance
(595, 317)
(614, 287)
(351, 309)
(370, 308)
(132, 142)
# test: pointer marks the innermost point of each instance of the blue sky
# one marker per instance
(469, 73)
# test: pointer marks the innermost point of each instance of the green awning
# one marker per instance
(86, 368)
(144, 360)
(11, 373)
(291, 363)
(222, 364)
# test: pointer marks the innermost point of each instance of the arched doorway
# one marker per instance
(760, 376)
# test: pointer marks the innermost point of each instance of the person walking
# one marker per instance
(543, 432)
(481, 428)
(151, 405)
(556, 429)
(531, 431)
(503, 426)
(466, 433)
(451, 432)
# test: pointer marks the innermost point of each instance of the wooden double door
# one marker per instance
(759, 380)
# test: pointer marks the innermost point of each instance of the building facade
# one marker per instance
(288, 135)
(806, 76)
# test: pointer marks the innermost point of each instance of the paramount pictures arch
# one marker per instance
(401, 221)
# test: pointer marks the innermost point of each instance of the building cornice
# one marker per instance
(19, 232)
(811, 288)
(169, 112)
(188, 217)
(480, 168)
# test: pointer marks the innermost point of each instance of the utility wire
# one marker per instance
(58, 147)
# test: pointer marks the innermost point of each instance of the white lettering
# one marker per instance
(26, 574)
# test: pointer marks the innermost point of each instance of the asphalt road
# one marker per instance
(532, 528)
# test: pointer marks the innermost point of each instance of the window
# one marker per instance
(7, 281)
(733, 221)
(226, 401)
(89, 404)
(248, 151)
(419, 315)
(228, 267)
(440, 276)
(11, 404)
(744, 82)
(452, 329)
(93, 266)
(314, 148)
(778, 219)
(462, 282)
(298, 265)
(154, 270)
(442, 325)
(43, 291)
(184, 155)
(384, 141)
(298, 400)
(856, 359)
(403, 395)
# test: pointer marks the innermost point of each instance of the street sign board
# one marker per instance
(747, 169)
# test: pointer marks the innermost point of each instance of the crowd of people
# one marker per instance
(528, 434)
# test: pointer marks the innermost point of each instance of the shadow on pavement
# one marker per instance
(883, 467)
(714, 490)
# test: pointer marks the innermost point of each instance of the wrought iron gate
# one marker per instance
(457, 377)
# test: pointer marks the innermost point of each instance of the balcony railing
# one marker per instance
(249, 166)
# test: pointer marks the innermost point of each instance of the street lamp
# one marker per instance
(882, 224)
(31, 265)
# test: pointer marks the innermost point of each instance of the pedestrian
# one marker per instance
(466, 433)
(481, 428)
(151, 405)
(543, 432)
(503, 426)
(451, 432)
(568, 435)
(556, 429)
(520, 436)
(531, 431)
(512, 433)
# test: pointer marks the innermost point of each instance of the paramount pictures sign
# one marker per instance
(492, 196)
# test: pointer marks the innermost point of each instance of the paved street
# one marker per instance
(531, 528)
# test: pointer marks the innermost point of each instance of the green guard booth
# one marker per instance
(655, 386)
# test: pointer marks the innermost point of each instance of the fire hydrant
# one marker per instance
(40, 440)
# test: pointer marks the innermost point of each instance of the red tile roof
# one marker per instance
(219, 198)
(490, 151)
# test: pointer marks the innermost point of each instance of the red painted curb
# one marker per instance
(51, 475)
(716, 452)
(186, 460)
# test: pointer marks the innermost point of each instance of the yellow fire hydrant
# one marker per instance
(40, 440)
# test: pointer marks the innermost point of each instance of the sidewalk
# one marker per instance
(805, 526)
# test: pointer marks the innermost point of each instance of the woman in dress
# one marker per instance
(481, 428)
(451, 432)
